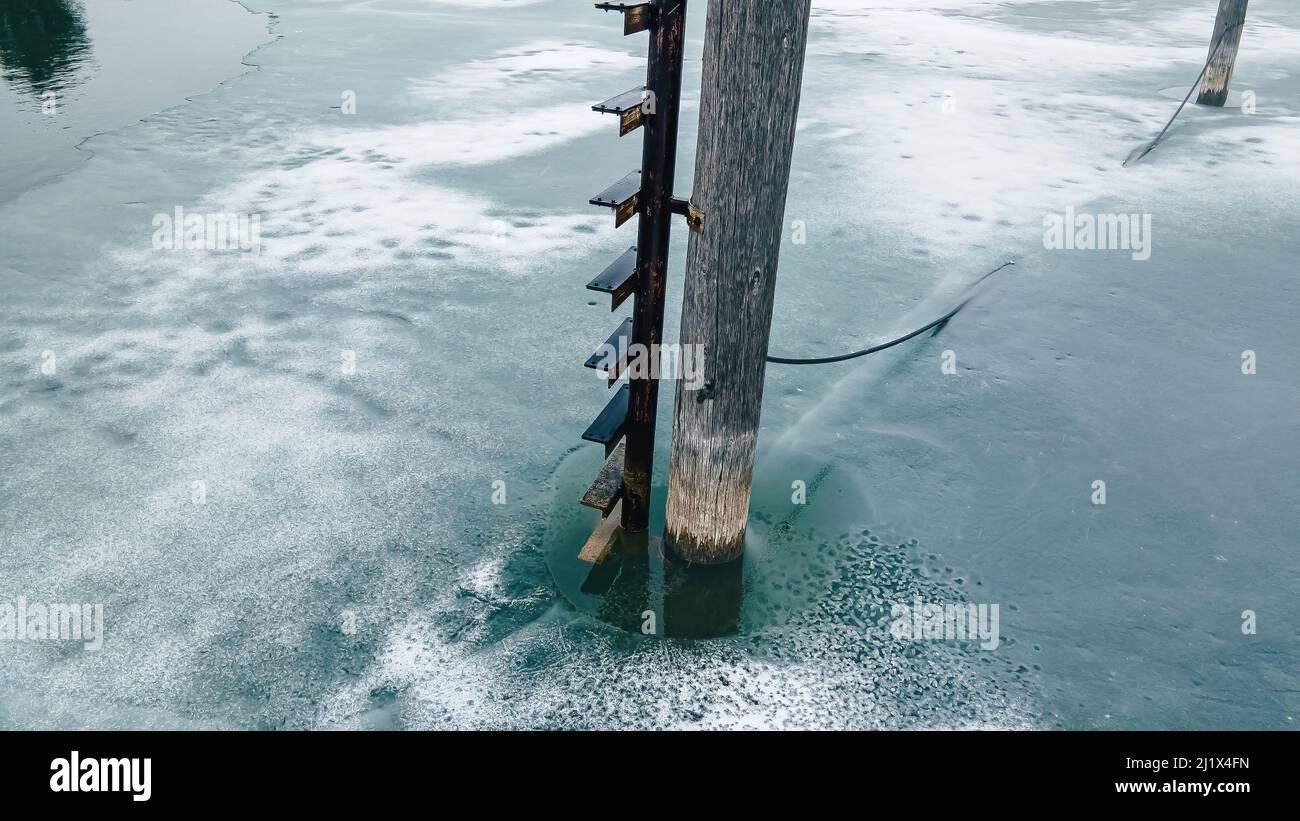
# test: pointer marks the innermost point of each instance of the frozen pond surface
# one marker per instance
(280, 544)
(75, 70)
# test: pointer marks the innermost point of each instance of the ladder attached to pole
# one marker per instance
(626, 427)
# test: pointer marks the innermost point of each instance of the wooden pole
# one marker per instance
(749, 104)
(1231, 19)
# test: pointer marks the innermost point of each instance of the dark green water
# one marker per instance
(74, 68)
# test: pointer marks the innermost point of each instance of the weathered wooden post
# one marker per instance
(749, 104)
(1223, 55)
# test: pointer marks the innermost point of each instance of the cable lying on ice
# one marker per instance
(1135, 156)
(781, 360)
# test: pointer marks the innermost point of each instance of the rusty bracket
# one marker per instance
(636, 16)
(694, 216)
(611, 425)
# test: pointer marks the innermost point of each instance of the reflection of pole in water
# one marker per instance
(41, 42)
(699, 601)
(702, 601)
(623, 583)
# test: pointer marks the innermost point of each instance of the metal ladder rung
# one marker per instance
(606, 491)
(618, 280)
(597, 548)
(636, 16)
(611, 424)
(611, 358)
(628, 107)
(623, 196)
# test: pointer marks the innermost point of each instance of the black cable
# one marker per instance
(825, 360)
(1213, 53)
(780, 360)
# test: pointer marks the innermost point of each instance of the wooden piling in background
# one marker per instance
(1231, 19)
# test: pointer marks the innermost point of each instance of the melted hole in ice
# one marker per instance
(801, 542)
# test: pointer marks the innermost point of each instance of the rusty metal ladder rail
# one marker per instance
(626, 427)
